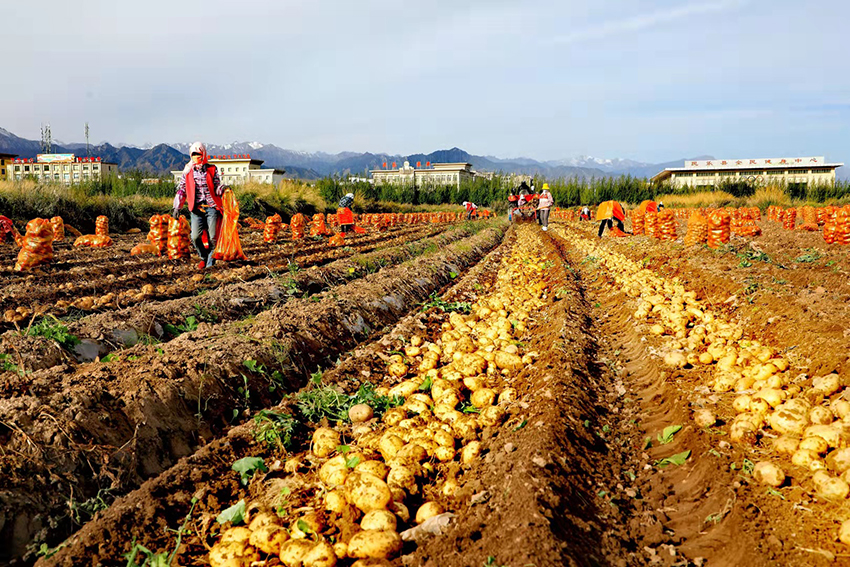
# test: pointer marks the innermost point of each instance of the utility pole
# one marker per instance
(88, 153)
(46, 139)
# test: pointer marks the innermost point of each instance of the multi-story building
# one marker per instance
(5, 161)
(61, 168)
(238, 169)
(791, 171)
(436, 174)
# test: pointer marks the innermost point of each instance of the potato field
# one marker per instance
(438, 393)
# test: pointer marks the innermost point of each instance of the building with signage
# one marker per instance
(61, 168)
(436, 174)
(239, 169)
(5, 161)
(791, 171)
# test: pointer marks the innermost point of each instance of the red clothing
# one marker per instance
(345, 216)
(190, 188)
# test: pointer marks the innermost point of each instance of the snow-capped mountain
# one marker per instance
(605, 164)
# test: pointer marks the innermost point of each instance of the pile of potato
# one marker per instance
(386, 462)
(811, 417)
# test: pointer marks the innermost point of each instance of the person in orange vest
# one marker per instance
(344, 214)
(200, 189)
(617, 214)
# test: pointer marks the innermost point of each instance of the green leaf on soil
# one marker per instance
(426, 384)
(666, 436)
(352, 462)
(247, 466)
(677, 459)
(775, 493)
(647, 443)
(303, 526)
(521, 425)
(235, 514)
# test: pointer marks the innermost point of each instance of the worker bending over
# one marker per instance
(607, 213)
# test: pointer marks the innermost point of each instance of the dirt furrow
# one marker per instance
(116, 424)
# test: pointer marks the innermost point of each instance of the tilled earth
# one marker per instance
(572, 473)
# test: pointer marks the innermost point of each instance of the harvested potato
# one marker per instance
(768, 473)
(403, 477)
(292, 552)
(821, 416)
(375, 544)
(334, 471)
(835, 437)
(400, 510)
(829, 487)
(233, 554)
(814, 443)
(826, 385)
(240, 534)
(483, 397)
(843, 533)
(704, 417)
(358, 413)
(374, 467)
(839, 461)
(469, 454)
(805, 458)
(379, 520)
(325, 441)
(390, 445)
(428, 510)
(321, 555)
(269, 538)
(371, 563)
(491, 416)
(786, 445)
(366, 491)
(311, 521)
(335, 501)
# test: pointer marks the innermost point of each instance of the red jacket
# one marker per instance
(190, 188)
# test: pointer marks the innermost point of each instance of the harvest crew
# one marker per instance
(344, 214)
(544, 204)
(584, 214)
(608, 212)
(200, 188)
(471, 209)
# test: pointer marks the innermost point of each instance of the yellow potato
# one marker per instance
(321, 555)
(335, 501)
(233, 554)
(239, 534)
(379, 520)
(393, 416)
(449, 487)
(768, 473)
(704, 418)
(403, 477)
(469, 454)
(483, 397)
(325, 441)
(359, 413)
(428, 510)
(334, 471)
(390, 445)
(814, 443)
(375, 544)
(491, 416)
(376, 468)
(821, 416)
(292, 552)
(314, 525)
(269, 538)
(507, 360)
(838, 461)
(371, 563)
(263, 519)
(830, 487)
(786, 445)
(444, 454)
(366, 491)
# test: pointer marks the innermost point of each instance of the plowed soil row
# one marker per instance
(78, 273)
(113, 425)
(149, 320)
(709, 510)
(529, 500)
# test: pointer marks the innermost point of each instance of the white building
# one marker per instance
(60, 168)
(239, 169)
(436, 174)
(792, 171)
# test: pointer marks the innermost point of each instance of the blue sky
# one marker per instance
(646, 80)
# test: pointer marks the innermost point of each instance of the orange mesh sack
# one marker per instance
(273, 226)
(36, 245)
(318, 227)
(179, 245)
(94, 240)
(650, 223)
(296, 225)
(101, 226)
(789, 218)
(158, 234)
(667, 225)
(58, 229)
(810, 219)
(228, 247)
(829, 227)
(697, 229)
(145, 248)
(718, 229)
(637, 222)
(337, 239)
(842, 225)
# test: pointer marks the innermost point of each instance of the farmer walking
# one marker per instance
(200, 188)
(544, 204)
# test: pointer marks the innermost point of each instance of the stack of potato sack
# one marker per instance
(743, 223)
(179, 245)
(718, 228)
(318, 227)
(829, 226)
(666, 229)
(637, 222)
(842, 225)
(101, 226)
(273, 226)
(158, 234)
(788, 218)
(333, 221)
(58, 229)
(36, 245)
(650, 224)
(296, 225)
(810, 219)
(697, 229)
(773, 213)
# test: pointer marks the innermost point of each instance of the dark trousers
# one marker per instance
(200, 223)
(610, 223)
(543, 216)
